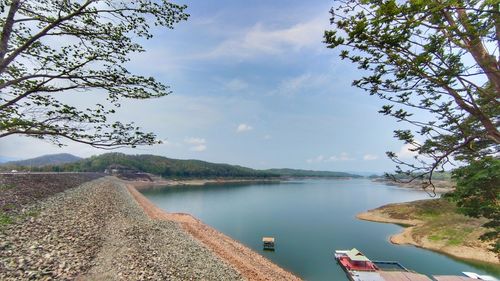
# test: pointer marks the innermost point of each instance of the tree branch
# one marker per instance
(5, 62)
(7, 29)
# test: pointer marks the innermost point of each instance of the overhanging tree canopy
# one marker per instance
(441, 57)
(51, 47)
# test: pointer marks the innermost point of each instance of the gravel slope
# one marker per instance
(97, 231)
(18, 190)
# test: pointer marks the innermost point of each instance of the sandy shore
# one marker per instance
(139, 185)
(250, 264)
(477, 253)
(440, 186)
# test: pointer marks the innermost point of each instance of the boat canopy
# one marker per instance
(268, 239)
(355, 255)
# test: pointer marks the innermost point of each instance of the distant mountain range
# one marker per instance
(5, 159)
(159, 165)
(45, 160)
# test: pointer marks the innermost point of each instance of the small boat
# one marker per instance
(359, 268)
(268, 243)
(353, 259)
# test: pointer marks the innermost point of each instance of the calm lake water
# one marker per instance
(309, 219)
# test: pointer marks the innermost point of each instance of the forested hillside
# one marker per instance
(51, 159)
(163, 166)
(166, 167)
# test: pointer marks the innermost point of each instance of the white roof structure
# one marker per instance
(268, 239)
(355, 255)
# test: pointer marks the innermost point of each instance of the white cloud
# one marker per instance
(344, 156)
(317, 159)
(197, 144)
(267, 137)
(304, 82)
(194, 140)
(369, 157)
(259, 39)
(167, 143)
(236, 85)
(243, 128)
(199, 148)
(405, 151)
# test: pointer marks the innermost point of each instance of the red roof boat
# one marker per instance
(355, 260)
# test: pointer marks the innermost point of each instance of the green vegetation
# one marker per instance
(478, 194)
(166, 167)
(432, 57)
(451, 236)
(412, 55)
(5, 219)
(172, 168)
(4, 187)
(52, 159)
(29, 214)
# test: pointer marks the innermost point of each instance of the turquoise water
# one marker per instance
(309, 219)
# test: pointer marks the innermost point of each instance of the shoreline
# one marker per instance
(406, 237)
(250, 264)
(141, 185)
(229, 249)
(440, 186)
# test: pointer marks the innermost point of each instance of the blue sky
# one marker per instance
(253, 85)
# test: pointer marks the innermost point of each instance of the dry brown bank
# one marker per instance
(440, 186)
(434, 224)
(139, 185)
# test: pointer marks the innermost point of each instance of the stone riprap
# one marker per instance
(97, 231)
(19, 190)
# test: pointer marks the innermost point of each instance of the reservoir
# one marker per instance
(309, 219)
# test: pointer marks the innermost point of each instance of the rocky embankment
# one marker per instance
(97, 231)
(20, 190)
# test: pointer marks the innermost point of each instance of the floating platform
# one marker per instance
(359, 268)
(390, 266)
(268, 243)
(403, 275)
(386, 276)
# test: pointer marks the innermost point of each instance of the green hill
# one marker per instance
(45, 160)
(165, 167)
